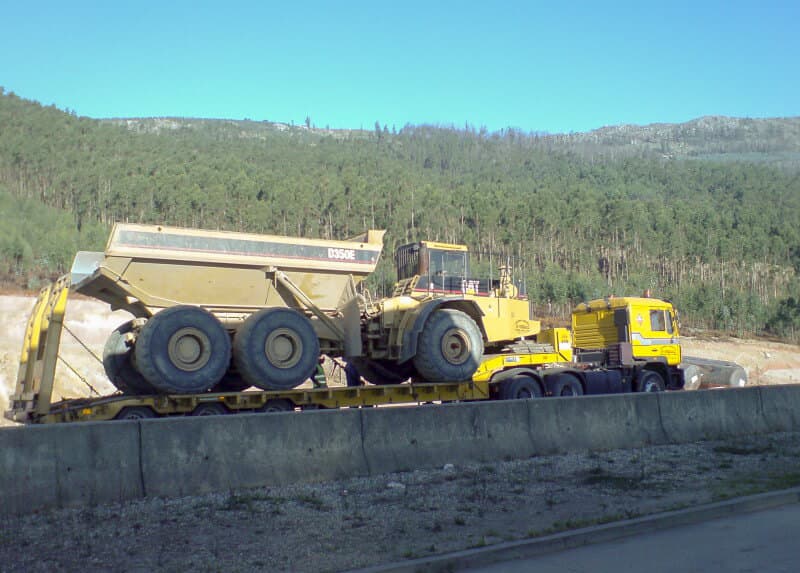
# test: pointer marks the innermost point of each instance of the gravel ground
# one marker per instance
(354, 523)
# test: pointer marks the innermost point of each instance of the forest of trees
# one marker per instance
(720, 237)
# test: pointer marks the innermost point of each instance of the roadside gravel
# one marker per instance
(354, 523)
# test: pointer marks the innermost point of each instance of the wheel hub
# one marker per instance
(283, 348)
(189, 349)
(456, 346)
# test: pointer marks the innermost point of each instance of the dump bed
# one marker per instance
(148, 267)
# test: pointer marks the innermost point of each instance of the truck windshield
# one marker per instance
(447, 263)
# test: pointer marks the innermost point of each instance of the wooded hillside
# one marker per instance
(583, 215)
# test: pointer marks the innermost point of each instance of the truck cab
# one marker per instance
(647, 326)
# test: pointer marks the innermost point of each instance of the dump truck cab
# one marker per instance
(434, 269)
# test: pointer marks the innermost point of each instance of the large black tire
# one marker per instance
(118, 365)
(567, 385)
(276, 349)
(383, 371)
(183, 350)
(650, 381)
(450, 347)
(520, 387)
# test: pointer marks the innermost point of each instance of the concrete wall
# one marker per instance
(89, 463)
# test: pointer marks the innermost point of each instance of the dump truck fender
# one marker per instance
(420, 315)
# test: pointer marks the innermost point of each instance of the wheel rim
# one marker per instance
(651, 386)
(189, 349)
(283, 348)
(456, 346)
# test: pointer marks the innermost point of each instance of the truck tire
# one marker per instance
(567, 385)
(277, 405)
(118, 365)
(449, 348)
(650, 381)
(210, 409)
(520, 387)
(135, 413)
(276, 349)
(183, 350)
(383, 371)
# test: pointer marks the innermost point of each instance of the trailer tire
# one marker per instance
(277, 405)
(380, 372)
(183, 350)
(135, 413)
(450, 347)
(650, 381)
(210, 409)
(276, 349)
(520, 387)
(118, 365)
(567, 385)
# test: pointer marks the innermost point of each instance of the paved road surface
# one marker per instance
(761, 542)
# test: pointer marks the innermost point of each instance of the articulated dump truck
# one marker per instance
(223, 311)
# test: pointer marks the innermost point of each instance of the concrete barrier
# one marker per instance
(712, 414)
(184, 456)
(399, 439)
(595, 423)
(89, 463)
(68, 465)
(781, 407)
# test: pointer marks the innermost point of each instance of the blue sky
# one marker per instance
(536, 66)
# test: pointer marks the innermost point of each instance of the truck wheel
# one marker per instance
(449, 348)
(650, 381)
(520, 387)
(183, 350)
(210, 409)
(276, 349)
(135, 413)
(567, 385)
(383, 371)
(118, 366)
(277, 405)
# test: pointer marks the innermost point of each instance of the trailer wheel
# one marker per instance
(567, 385)
(135, 413)
(650, 381)
(210, 409)
(118, 366)
(520, 387)
(183, 350)
(276, 349)
(383, 371)
(277, 405)
(450, 347)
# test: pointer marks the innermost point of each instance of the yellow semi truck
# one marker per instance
(615, 353)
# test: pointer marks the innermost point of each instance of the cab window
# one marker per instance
(657, 320)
